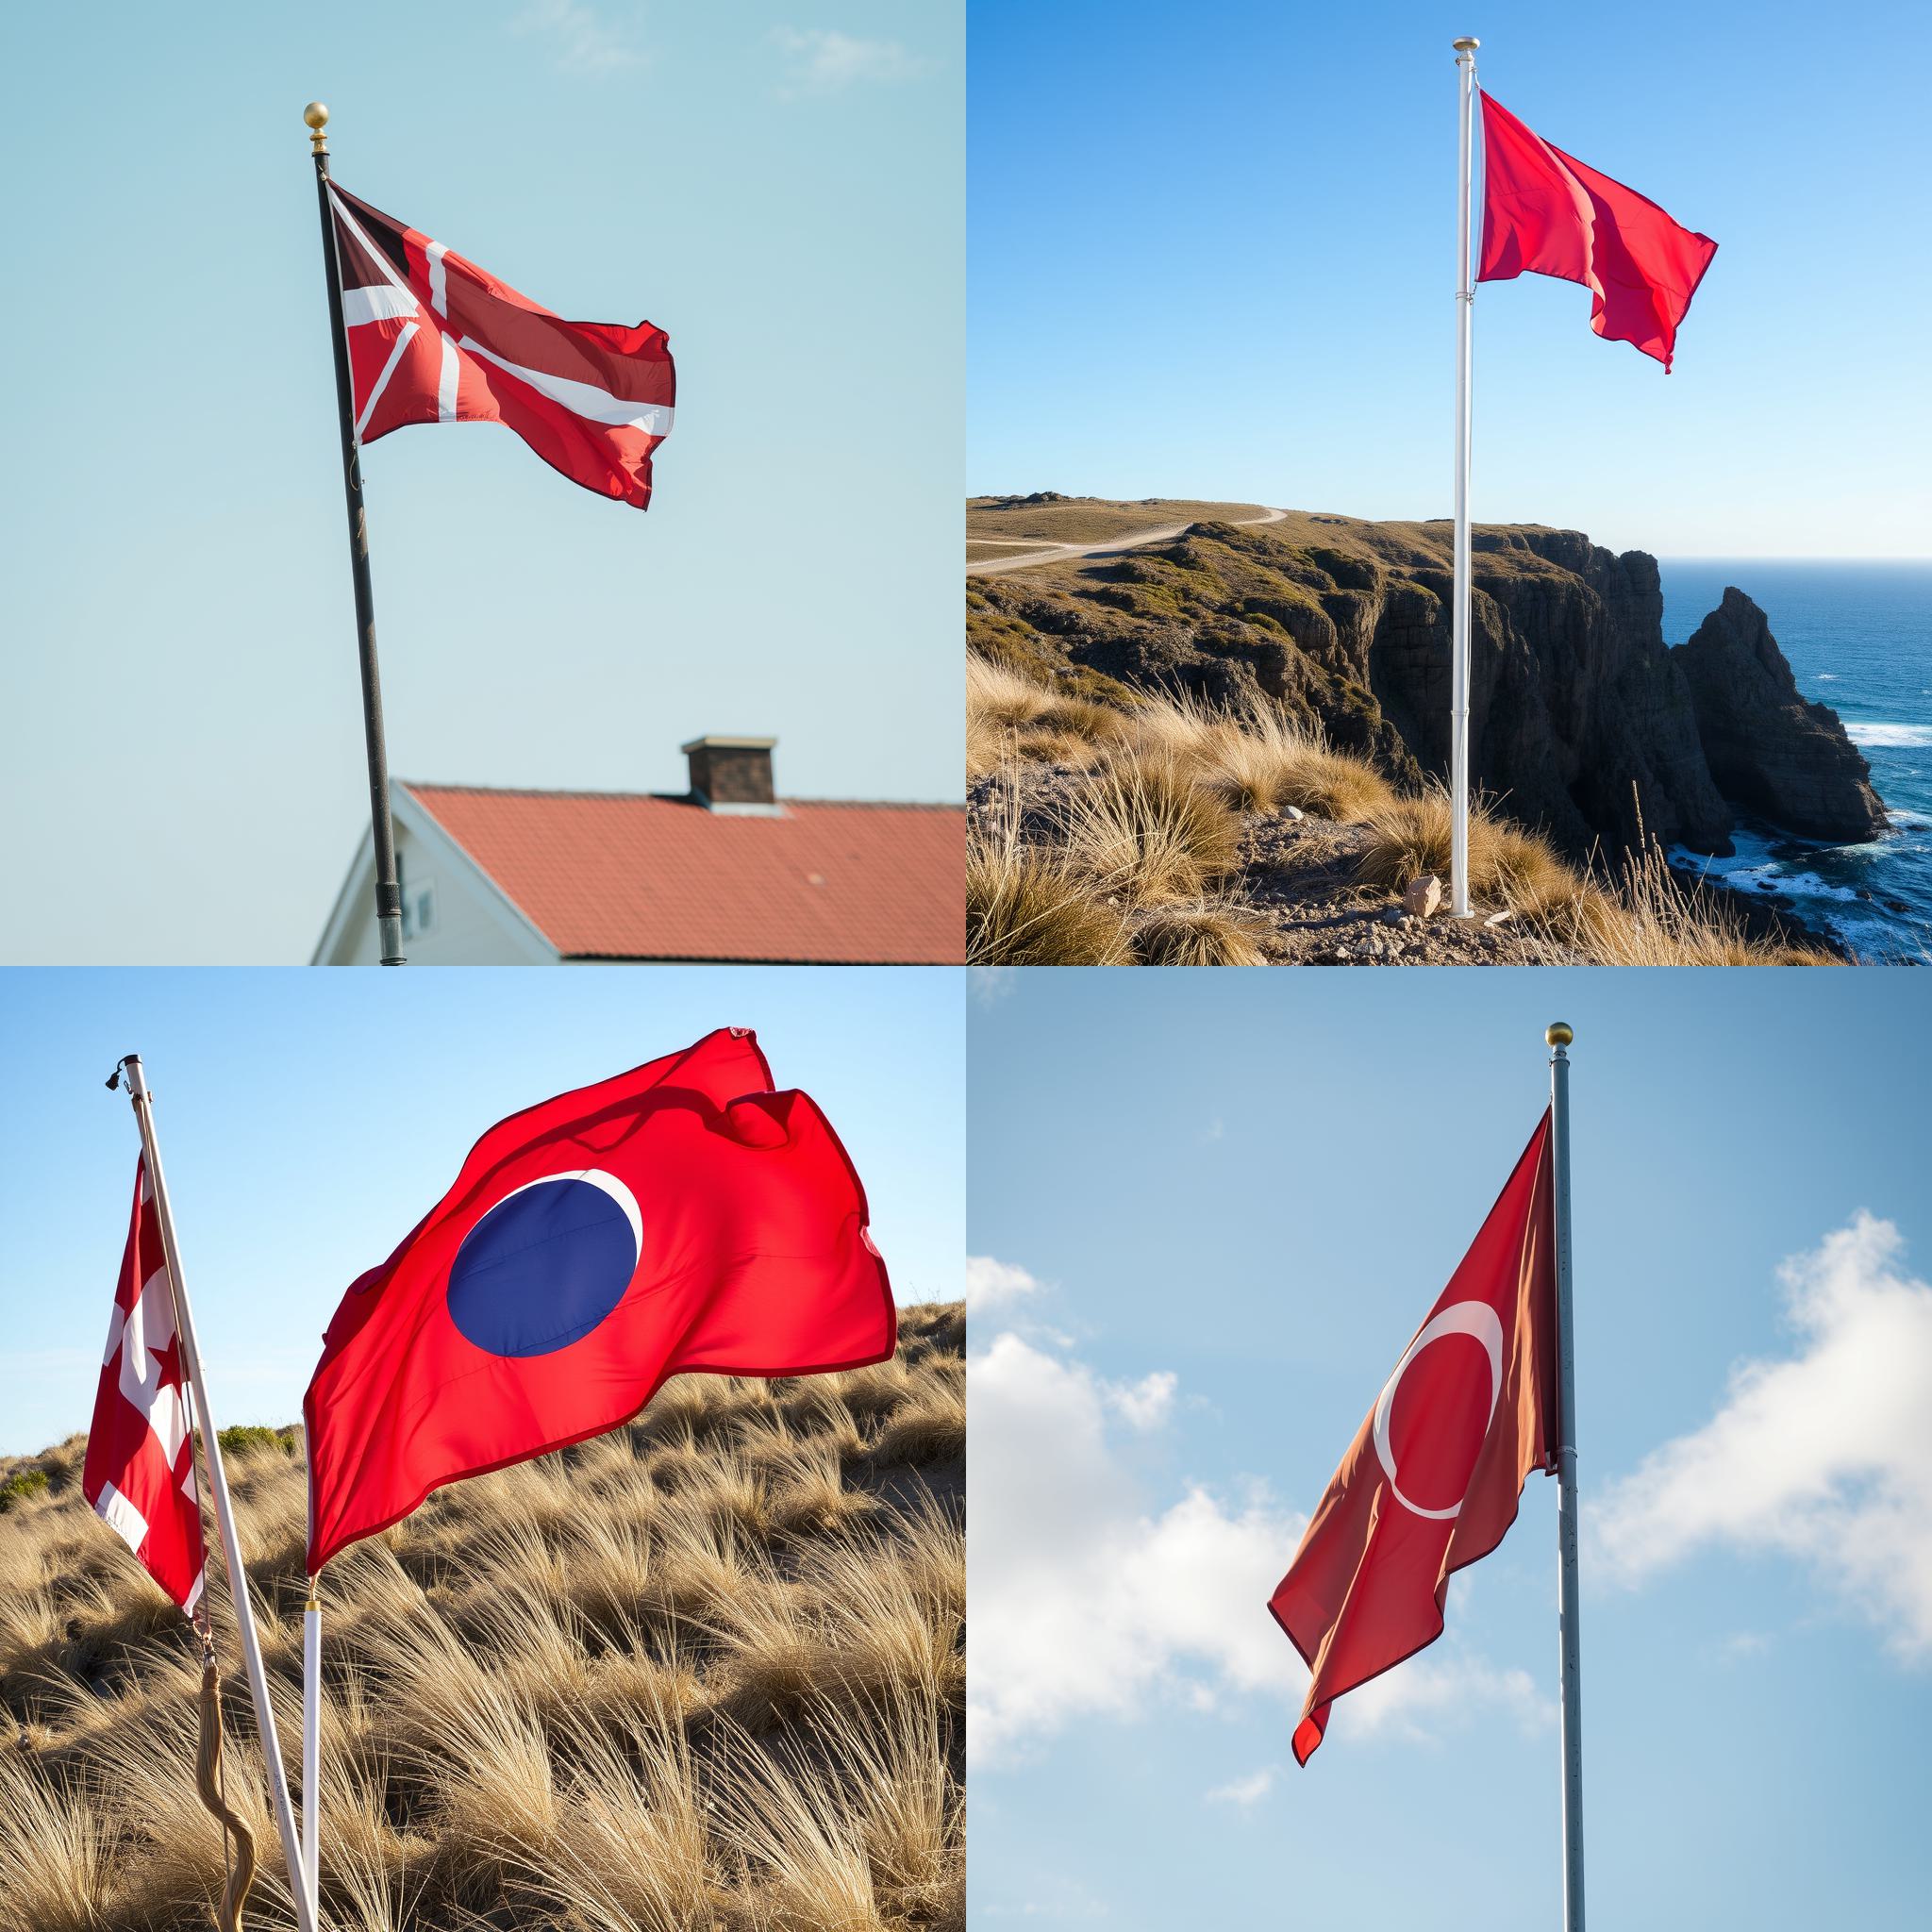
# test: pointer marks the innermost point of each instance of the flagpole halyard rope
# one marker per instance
(210, 1764)
(211, 1782)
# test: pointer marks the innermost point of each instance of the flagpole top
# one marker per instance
(1558, 1033)
(1467, 45)
(315, 118)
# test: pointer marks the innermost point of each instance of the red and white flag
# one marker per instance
(139, 1469)
(1432, 1479)
(435, 338)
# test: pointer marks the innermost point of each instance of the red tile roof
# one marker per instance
(626, 875)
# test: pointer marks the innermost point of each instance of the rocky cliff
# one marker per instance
(1583, 721)
(1776, 754)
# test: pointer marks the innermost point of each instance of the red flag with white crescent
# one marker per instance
(1431, 1482)
(139, 1469)
(435, 338)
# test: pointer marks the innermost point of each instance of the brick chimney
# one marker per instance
(732, 775)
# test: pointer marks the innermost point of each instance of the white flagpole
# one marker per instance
(311, 1740)
(1465, 305)
(217, 1483)
(1558, 1037)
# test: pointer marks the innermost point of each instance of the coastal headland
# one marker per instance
(1589, 733)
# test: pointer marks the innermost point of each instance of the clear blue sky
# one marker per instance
(1212, 254)
(307, 1124)
(1257, 1189)
(781, 188)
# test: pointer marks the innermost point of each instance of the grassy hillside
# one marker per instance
(1086, 519)
(702, 1675)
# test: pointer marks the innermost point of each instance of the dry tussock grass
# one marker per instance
(1027, 905)
(1507, 867)
(1144, 829)
(1648, 916)
(1141, 866)
(705, 1672)
(1203, 933)
(1007, 716)
(1261, 761)
(1657, 920)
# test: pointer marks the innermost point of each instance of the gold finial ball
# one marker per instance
(315, 115)
(1558, 1033)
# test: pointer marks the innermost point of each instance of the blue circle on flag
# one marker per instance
(545, 1265)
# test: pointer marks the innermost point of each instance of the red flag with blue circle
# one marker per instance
(681, 1218)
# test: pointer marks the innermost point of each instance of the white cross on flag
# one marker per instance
(435, 338)
(139, 1470)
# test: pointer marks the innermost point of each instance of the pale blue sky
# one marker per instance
(780, 187)
(1213, 255)
(306, 1125)
(1258, 1191)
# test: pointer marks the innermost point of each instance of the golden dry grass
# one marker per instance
(1657, 920)
(1261, 761)
(1507, 867)
(1010, 716)
(1203, 933)
(1646, 916)
(702, 1675)
(1145, 830)
(1141, 864)
(1026, 906)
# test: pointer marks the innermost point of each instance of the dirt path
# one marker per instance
(1059, 552)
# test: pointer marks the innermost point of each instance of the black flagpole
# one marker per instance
(389, 898)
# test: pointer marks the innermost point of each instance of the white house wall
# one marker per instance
(473, 927)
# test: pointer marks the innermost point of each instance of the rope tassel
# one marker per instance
(208, 1781)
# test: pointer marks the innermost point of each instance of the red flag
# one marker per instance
(1546, 213)
(1432, 1479)
(433, 339)
(681, 1218)
(139, 1469)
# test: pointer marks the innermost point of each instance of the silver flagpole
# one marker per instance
(311, 1740)
(1465, 305)
(1558, 1038)
(217, 1483)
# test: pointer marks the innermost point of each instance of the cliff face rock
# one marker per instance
(1583, 721)
(1767, 747)
(1579, 720)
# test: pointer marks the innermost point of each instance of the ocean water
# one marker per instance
(1859, 638)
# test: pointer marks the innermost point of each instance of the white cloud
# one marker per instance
(822, 61)
(990, 985)
(1824, 1454)
(584, 42)
(1243, 1793)
(1145, 1404)
(1088, 1601)
(989, 1282)
(1443, 1682)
